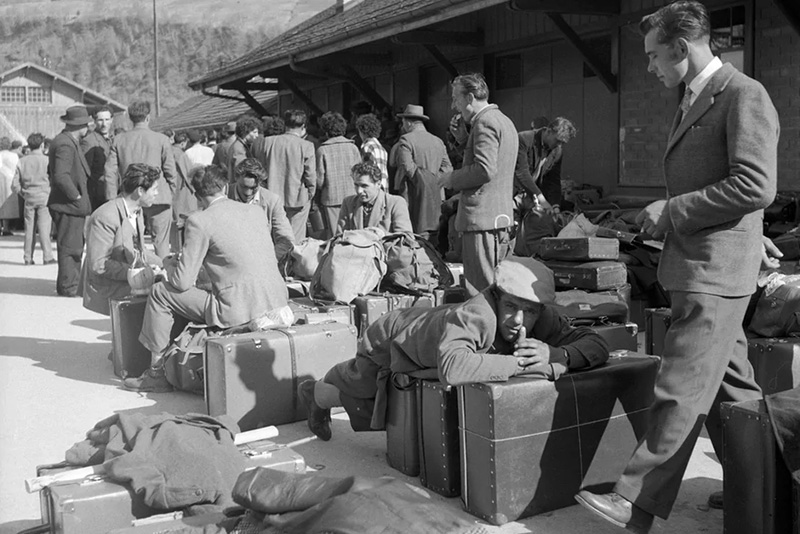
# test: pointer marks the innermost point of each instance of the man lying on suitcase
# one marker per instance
(482, 340)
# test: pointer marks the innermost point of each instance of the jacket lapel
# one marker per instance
(378, 210)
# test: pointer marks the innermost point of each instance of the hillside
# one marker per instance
(108, 45)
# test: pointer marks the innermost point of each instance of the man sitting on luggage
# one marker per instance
(485, 339)
(231, 243)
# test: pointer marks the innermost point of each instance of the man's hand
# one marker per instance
(770, 254)
(530, 351)
(654, 219)
(458, 128)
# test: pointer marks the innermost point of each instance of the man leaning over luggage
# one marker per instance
(508, 329)
(230, 242)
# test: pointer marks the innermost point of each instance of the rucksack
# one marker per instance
(352, 265)
(304, 258)
(413, 265)
(183, 362)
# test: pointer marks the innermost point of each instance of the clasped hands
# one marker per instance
(655, 220)
(535, 358)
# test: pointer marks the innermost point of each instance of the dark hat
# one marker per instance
(413, 111)
(231, 127)
(76, 116)
(194, 136)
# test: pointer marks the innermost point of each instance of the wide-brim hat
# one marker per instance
(526, 278)
(76, 116)
(413, 111)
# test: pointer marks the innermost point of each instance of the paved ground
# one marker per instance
(56, 382)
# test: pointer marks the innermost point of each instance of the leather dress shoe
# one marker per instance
(715, 500)
(319, 419)
(616, 509)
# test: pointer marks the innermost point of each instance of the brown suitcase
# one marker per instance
(402, 416)
(579, 248)
(439, 458)
(657, 321)
(592, 276)
(372, 306)
(528, 445)
(776, 363)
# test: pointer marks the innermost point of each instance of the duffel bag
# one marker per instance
(413, 265)
(353, 264)
(304, 258)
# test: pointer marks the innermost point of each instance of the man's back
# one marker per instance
(427, 150)
(141, 145)
(290, 165)
(33, 180)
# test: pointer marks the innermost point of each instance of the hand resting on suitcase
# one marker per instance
(534, 357)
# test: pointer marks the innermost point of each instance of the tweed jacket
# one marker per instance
(419, 148)
(528, 176)
(720, 169)
(141, 145)
(95, 149)
(335, 158)
(237, 152)
(31, 180)
(232, 242)
(110, 252)
(486, 178)
(390, 212)
(280, 227)
(69, 175)
(291, 167)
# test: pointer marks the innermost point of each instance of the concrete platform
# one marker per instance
(56, 383)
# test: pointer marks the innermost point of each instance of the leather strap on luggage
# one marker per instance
(293, 351)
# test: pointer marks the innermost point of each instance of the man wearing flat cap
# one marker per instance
(507, 329)
(421, 160)
(69, 197)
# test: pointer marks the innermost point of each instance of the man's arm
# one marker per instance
(309, 178)
(584, 347)
(485, 147)
(406, 167)
(522, 172)
(446, 166)
(401, 220)
(62, 171)
(99, 247)
(16, 184)
(168, 164)
(195, 247)
(282, 234)
(111, 174)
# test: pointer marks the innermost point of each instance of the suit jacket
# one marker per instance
(69, 174)
(486, 178)
(720, 168)
(183, 201)
(291, 167)
(110, 252)
(335, 159)
(390, 212)
(528, 176)
(221, 152)
(95, 149)
(280, 227)
(232, 242)
(141, 145)
(237, 152)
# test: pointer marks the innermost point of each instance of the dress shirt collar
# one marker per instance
(703, 77)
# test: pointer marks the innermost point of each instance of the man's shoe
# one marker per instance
(319, 419)
(616, 509)
(29, 262)
(715, 500)
(154, 380)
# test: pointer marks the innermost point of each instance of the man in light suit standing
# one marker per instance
(720, 168)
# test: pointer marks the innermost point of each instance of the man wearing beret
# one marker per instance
(508, 329)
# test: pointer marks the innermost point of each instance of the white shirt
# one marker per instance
(701, 80)
(133, 216)
(200, 155)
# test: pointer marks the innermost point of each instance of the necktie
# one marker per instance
(686, 102)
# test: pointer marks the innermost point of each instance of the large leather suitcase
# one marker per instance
(776, 362)
(402, 424)
(579, 248)
(529, 445)
(656, 321)
(619, 335)
(439, 459)
(372, 306)
(130, 358)
(95, 505)
(757, 485)
(592, 276)
(253, 377)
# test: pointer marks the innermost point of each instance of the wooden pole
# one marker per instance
(155, 59)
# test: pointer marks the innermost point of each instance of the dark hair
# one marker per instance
(563, 129)
(369, 125)
(169, 132)
(35, 140)
(294, 118)
(245, 125)
(250, 168)
(273, 126)
(98, 109)
(333, 124)
(180, 137)
(684, 18)
(366, 168)
(138, 111)
(208, 181)
(16, 143)
(139, 175)
(473, 83)
(211, 135)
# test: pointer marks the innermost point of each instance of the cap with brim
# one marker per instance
(230, 127)
(413, 111)
(526, 278)
(76, 116)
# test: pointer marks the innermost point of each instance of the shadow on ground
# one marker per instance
(36, 287)
(13, 527)
(77, 360)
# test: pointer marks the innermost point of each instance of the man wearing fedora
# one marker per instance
(421, 160)
(69, 197)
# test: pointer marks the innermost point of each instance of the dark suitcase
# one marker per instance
(776, 362)
(528, 445)
(592, 276)
(657, 321)
(402, 421)
(370, 307)
(253, 377)
(439, 458)
(579, 248)
(130, 357)
(449, 295)
(757, 485)
(619, 335)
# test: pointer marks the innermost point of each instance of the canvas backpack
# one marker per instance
(352, 264)
(304, 258)
(183, 362)
(413, 265)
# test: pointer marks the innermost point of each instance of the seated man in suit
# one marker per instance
(250, 174)
(115, 237)
(371, 206)
(231, 242)
(482, 340)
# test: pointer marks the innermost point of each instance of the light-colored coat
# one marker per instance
(279, 227)
(390, 212)
(720, 169)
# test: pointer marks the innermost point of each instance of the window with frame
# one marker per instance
(12, 94)
(728, 35)
(40, 95)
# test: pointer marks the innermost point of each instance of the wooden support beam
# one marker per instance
(366, 89)
(250, 86)
(441, 60)
(790, 10)
(602, 70)
(225, 97)
(296, 91)
(352, 58)
(472, 39)
(578, 7)
(254, 104)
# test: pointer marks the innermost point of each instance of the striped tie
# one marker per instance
(686, 102)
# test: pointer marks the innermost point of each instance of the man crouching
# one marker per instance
(505, 330)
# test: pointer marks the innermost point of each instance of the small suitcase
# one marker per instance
(370, 307)
(449, 295)
(528, 445)
(402, 433)
(619, 335)
(657, 321)
(757, 485)
(776, 362)
(308, 311)
(130, 357)
(439, 459)
(579, 248)
(253, 377)
(592, 276)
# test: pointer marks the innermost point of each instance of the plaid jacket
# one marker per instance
(335, 158)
